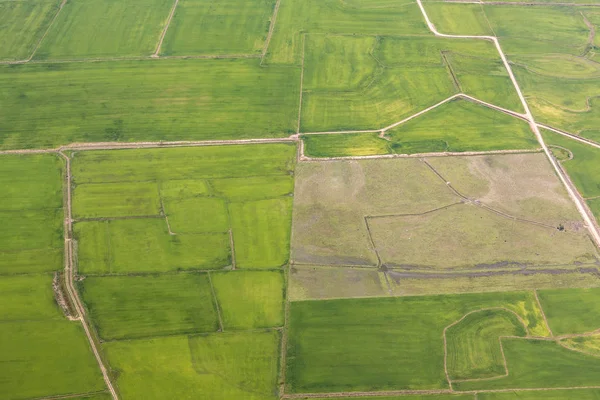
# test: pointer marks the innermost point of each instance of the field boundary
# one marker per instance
(69, 275)
(217, 305)
(271, 30)
(166, 28)
(70, 396)
(517, 3)
(582, 207)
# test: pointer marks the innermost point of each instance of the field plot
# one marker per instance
(45, 105)
(371, 82)
(581, 163)
(487, 213)
(230, 27)
(41, 352)
(22, 25)
(572, 310)
(332, 344)
(575, 394)
(105, 28)
(371, 17)
(220, 366)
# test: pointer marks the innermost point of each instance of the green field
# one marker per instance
(224, 27)
(582, 394)
(141, 306)
(371, 82)
(220, 367)
(345, 145)
(45, 105)
(333, 346)
(571, 310)
(107, 28)
(22, 25)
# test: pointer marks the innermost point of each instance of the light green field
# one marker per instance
(134, 199)
(250, 299)
(415, 397)
(571, 310)
(105, 28)
(212, 162)
(27, 297)
(343, 145)
(22, 25)
(353, 83)
(581, 394)
(371, 17)
(145, 245)
(461, 126)
(155, 305)
(381, 343)
(474, 350)
(585, 344)
(261, 232)
(224, 27)
(254, 187)
(145, 100)
(541, 364)
(197, 215)
(219, 366)
(31, 211)
(458, 19)
(582, 168)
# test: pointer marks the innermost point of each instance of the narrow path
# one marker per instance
(217, 305)
(571, 136)
(582, 207)
(591, 36)
(271, 30)
(542, 311)
(164, 32)
(69, 275)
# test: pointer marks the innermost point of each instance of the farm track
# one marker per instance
(69, 276)
(271, 30)
(582, 207)
(164, 32)
(69, 396)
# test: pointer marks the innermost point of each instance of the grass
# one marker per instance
(22, 25)
(254, 187)
(576, 394)
(197, 215)
(372, 17)
(586, 160)
(353, 83)
(225, 27)
(45, 105)
(144, 245)
(586, 344)
(141, 306)
(183, 189)
(261, 232)
(344, 145)
(133, 199)
(461, 126)
(541, 364)
(219, 366)
(417, 397)
(31, 210)
(250, 299)
(107, 28)
(459, 19)
(571, 310)
(379, 343)
(211, 162)
(27, 297)
(473, 344)
(46, 358)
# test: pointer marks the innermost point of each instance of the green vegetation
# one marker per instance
(254, 187)
(141, 306)
(108, 28)
(145, 245)
(571, 310)
(27, 297)
(250, 299)
(459, 19)
(540, 364)
(44, 105)
(574, 394)
(224, 27)
(461, 126)
(197, 215)
(370, 17)
(584, 344)
(343, 145)
(381, 343)
(261, 232)
(134, 199)
(22, 24)
(220, 366)
(415, 397)
(370, 82)
(474, 345)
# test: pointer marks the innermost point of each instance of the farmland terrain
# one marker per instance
(300, 199)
